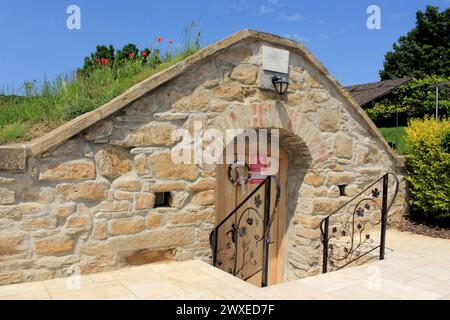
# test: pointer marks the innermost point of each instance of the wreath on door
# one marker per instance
(242, 173)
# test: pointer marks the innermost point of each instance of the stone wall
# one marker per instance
(90, 202)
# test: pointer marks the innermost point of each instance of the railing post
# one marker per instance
(266, 233)
(214, 246)
(325, 245)
(384, 209)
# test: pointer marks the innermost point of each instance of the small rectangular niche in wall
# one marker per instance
(163, 199)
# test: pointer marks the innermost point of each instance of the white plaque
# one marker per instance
(276, 60)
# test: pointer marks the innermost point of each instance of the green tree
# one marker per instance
(424, 51)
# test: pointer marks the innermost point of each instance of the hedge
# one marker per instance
(428, 169)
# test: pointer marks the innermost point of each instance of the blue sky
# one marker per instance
(35, 41)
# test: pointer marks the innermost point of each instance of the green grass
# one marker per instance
(55, 102)
(390, 135)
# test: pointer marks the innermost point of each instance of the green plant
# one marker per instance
(424, 50)
(390, 135)
(428, 165)
(413, 100)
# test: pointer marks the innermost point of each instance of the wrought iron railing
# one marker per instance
(348, 233)
(240, 243)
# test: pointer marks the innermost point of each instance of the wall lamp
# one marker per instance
(281, 85)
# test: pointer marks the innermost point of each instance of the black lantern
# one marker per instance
(280, 84)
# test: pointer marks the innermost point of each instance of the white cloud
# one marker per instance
(291, 18)
(325, 36)
(263, 9)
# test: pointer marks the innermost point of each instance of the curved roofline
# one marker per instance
(81, 123)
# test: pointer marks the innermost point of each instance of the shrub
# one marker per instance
(428, 165)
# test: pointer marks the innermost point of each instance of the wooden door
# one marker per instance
(246, 259)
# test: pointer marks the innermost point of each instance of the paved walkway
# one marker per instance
(416, 267)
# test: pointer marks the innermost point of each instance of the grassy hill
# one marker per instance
(23, 118)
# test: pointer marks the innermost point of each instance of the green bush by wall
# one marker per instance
(428, 164)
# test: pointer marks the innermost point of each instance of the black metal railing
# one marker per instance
(240, 243)
(347, 233)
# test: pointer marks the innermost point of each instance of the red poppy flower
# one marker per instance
(170, 41)
(104, 61)
(144, 53)
(159, 39)
(131, 55)
(97, 60)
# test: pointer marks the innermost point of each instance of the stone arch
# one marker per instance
(306, 151)
(274, 115)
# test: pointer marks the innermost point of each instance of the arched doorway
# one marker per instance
(241, 188)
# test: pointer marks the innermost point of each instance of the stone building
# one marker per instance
(102, 192)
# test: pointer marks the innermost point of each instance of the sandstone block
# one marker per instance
(99, 231)
(168, 186)
(153, 220)
(154, 134)
(112, 163)
(98, 263)
(192, 218)
(20, 210)
(122, 195)
(245, 74)
(205, 198)
(93, 191)
(296, 79)
(327, 206)
(54, 246)
(65, 210)
(301, 231)
(313, 179)
(321, 96)
(56, 262)
(112, 206)
(344, 146)
(141, 165)
(34, 223)
(179, 199)
(79, 221)
(340, 178)
(11, 243)
(228, 92)
(202, 185)
(10, 277)
(164, 168)
(329, 120)
(151, 239)
(71, 170)
(143, 257)
(144, 201)
(198, 100)
(129, 182)
(126, 226)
